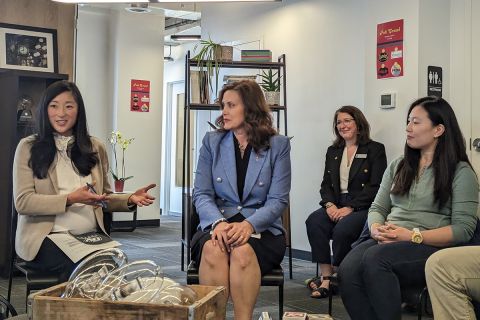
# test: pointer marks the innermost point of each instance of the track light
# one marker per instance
(185, 37)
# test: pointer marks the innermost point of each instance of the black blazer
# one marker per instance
(364, 179)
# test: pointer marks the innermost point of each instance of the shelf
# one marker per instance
(238, 64)
(34, 74)
(216, 107)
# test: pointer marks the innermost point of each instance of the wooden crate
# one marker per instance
(47, 305)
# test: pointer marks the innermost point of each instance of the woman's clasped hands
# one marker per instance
(390, 232)
(231, 235)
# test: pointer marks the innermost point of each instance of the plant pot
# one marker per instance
(119, 184)
(272, 97)
(224, 53)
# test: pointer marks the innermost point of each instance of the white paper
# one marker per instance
(75, 249)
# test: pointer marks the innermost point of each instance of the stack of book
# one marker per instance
(257, 55)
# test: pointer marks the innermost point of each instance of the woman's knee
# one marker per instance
(243, 256)
(213, 255)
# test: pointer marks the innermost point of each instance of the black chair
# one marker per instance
(275, 278)
(35, 280)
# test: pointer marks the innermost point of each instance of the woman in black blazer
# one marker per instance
(354, 167)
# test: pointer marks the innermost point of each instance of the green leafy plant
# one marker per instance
(270, 80)
(209, 57)
(116, 138)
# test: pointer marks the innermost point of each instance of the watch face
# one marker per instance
(417, 238)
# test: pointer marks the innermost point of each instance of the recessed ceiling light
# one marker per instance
(185, 37)
(138, 8)
(102, 1)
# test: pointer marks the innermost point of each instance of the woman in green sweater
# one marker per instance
(427, 200)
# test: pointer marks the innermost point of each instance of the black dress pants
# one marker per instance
(320, 229)
(52, 260)
(371, 274)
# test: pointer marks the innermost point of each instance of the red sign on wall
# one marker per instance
(390, 49)
(140, 96)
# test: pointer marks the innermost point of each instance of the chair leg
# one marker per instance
(280, 301)
(330, 302)
(317, 269)
(10, 278)
(290, 262)
(182, 257)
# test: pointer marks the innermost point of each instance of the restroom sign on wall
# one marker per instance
(434, 81)
(140, 95)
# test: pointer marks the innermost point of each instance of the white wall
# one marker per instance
(93, 70)
(114, 47)
(324, 45)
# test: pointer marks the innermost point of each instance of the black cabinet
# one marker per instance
(20, 91)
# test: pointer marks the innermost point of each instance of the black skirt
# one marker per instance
(269, 249)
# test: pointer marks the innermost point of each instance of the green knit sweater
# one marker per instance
(418, 210)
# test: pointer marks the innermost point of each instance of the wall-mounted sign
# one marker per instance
(140, 96)
(390, 49)
(434, 81)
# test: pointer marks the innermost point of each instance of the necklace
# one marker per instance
(422, 171)
(242, 148)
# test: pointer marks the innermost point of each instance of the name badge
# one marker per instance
(361, 156)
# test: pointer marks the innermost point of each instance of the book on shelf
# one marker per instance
(256, 55)
(234, 78)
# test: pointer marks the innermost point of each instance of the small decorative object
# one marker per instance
(271, 86)
(210, 56)
(28, 48)
(116, 138)
(289, 315)
(24, 109)
(256, 55)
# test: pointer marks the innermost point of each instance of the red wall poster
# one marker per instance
(140, 96)
(390, 49)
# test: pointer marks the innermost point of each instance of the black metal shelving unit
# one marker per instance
(279, 66)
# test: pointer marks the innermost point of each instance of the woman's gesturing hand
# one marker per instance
(86, 196)
(141, 197)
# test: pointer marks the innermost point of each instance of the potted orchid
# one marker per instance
(116, 138)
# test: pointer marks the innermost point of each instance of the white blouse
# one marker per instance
(79, 218)
(345, 170)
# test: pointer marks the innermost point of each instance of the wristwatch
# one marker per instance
(417, 236)
(328, 205)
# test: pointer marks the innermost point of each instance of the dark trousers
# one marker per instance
(52, 260)
(320, 229)
(371, 275)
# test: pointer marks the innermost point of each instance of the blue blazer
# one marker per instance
(267, 183)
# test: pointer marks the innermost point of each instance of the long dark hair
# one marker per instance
(363, 127)
(43, 147)
(258, 121)
(450, 150)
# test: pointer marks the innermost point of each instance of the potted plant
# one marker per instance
(116, 138)
(270, 82)
(209, 58)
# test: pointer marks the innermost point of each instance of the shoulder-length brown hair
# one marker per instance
(363, 127)
(258, 121)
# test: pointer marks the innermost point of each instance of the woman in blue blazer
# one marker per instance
(354, 167)
(241, 189)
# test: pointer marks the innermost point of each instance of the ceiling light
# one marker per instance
(161, 1)
(185, 37)
(178, 1)
(101, 1)
(138, 8)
